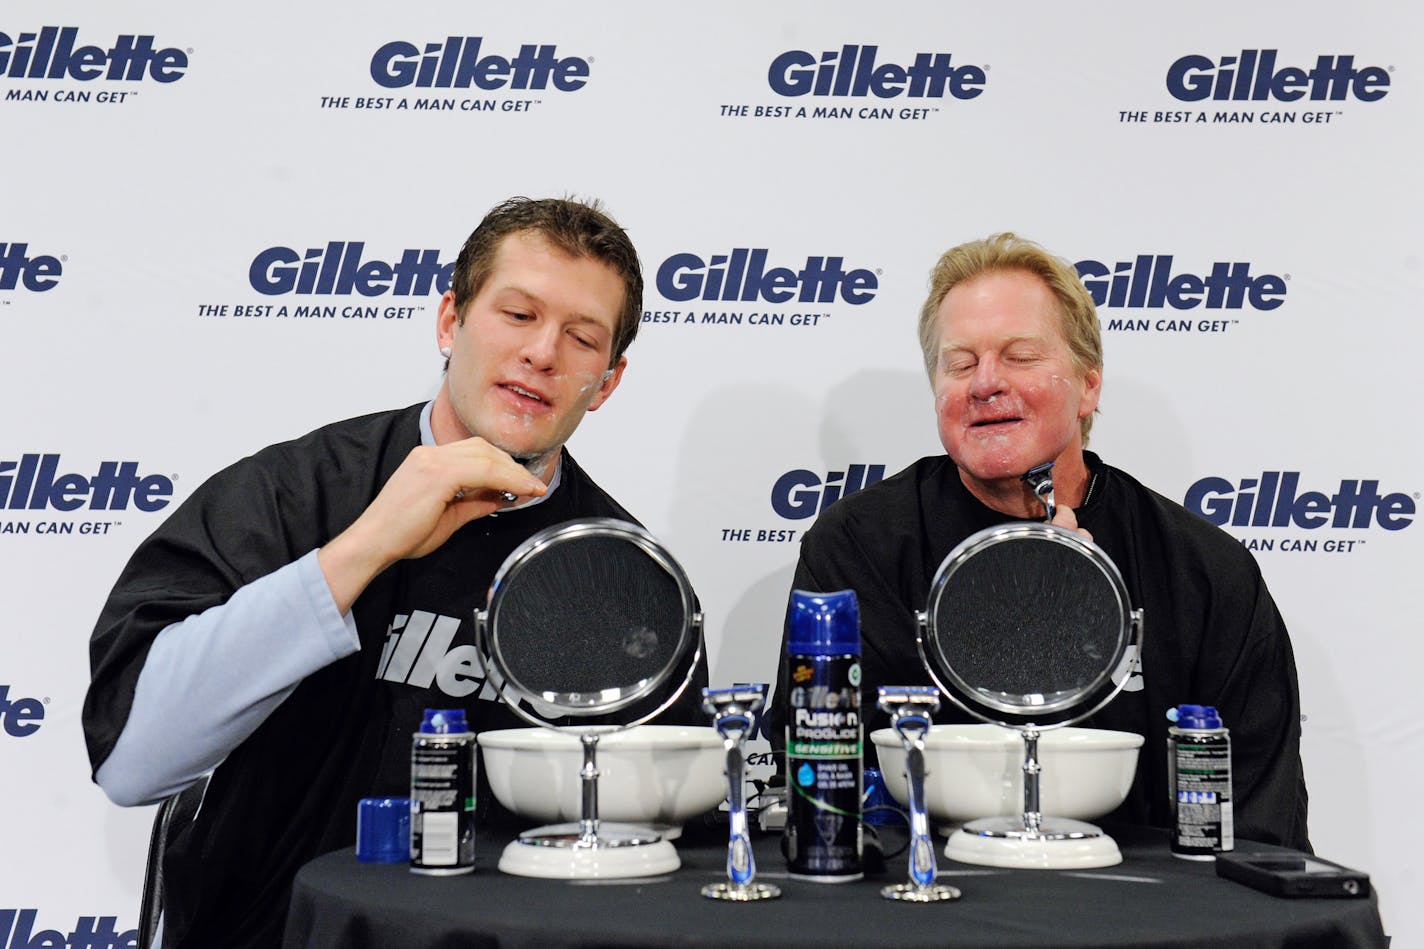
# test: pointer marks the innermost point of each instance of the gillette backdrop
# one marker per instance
(222, 231)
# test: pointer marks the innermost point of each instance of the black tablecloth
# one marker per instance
(1150, 899)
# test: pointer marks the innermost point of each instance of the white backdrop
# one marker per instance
(136, 207)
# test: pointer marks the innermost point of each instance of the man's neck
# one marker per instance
(1013, 497)
(444, 422)
(446, 427)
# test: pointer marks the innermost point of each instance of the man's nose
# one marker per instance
(541, 347)
(987, 380)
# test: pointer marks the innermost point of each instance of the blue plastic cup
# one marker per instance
(383, 829)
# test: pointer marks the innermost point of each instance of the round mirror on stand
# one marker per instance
(590, 618)
(1024, 626)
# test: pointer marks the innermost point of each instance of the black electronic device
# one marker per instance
(1292, 874)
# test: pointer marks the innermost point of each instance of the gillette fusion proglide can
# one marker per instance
(824, 737)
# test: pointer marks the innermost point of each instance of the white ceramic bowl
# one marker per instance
(976, 771)
(658, 775)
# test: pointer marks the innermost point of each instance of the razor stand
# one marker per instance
(733, 714)
(911, 708)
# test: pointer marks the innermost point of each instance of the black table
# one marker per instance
(1150, 899)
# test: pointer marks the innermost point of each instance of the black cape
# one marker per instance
(1213, 633)
(289, 792)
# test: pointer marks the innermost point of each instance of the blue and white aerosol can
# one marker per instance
(1199, 780)
(442, 794)
(824, 737)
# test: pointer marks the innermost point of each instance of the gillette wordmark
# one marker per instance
(54, 53)
(456, 63)
(339, 268)
(1275, 500)
(19, 717)
(1254, 76)
(743, 274)
(802, 493)
(852, 71)
(1151, 281)
(18, 268)
(18, 931)
(34, 483)
(417, 652)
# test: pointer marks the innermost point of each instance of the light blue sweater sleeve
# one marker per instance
(211, 679)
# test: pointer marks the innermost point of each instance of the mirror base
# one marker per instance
(619, 852)
(1059, 844)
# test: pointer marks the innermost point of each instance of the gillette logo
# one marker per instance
(19, 718)
(853, 72)
(1274, 500)
(457, 64)
(34, 484)
(1253, 77)
(34, 273)
(1147, 281)
(417, 652)
(800, 494)
(744, 275)
(51, 54)
(17, 931)
(339, 269)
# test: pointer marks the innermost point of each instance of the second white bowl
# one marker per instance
(976, 771)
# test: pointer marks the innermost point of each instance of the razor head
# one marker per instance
(527, 462)
(908, 699)
(911, 708)
(734, 709)
(734, 700)
(1040, 481)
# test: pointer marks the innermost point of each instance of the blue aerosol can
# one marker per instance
(824, 737)
(442, 794)
(1199, 781)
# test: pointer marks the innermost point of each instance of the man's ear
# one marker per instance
(1092, 392)
(447, 318)
(611, 378)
